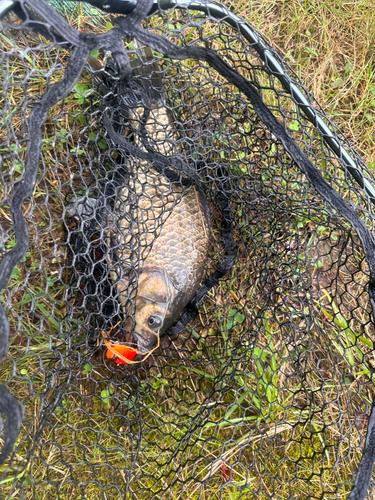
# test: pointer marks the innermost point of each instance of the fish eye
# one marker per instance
(154, 321)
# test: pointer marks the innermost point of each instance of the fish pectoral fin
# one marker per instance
(82, 207)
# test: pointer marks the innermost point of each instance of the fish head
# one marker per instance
(152, 306)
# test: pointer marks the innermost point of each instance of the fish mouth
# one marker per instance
(146, 341)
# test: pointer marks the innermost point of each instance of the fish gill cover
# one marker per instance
(180, 201)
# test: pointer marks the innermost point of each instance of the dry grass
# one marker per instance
(330, 45)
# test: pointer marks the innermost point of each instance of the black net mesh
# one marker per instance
(266, 392)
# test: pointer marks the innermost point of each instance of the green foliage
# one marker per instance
(81, 91)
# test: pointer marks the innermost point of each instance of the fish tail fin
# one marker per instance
(160, 132)
(147, 73)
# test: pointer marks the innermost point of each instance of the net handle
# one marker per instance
(111, 6)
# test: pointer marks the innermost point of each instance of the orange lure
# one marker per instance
(122, 354)
(119, 353)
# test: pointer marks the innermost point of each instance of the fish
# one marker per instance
(158, 226)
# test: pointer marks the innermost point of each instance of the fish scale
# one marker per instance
(182, 245)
